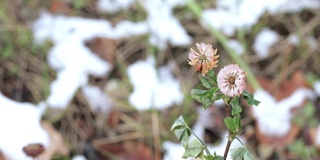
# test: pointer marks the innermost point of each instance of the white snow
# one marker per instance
(274, 118)
(294, 6)
(229, 15)
(294, 39)
(152, 87)
(72, 60)
(318, 136)
(97, 99)
(264, 40)
(236, 46)
(163, 25)
(79, 157)
(20, 126)
(316, 86)
(219, 103)
(112, 6)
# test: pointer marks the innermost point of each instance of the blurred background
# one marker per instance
(106, 79)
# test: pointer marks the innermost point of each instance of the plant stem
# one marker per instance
(195, 8)
(230, 136)
(239, 140)
(205, 146)
(227, 150)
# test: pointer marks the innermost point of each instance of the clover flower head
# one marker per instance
(205, 60)
(231, 80)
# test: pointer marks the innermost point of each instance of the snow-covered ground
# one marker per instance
(153, 87)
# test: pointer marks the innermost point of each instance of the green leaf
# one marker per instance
(209, 97)
(198, 94)
(230, 123)
(206, 97)
(79, 4)
(234, 124)
(218, 158)
(237, 121)
(209, 80)
(208, 157)
(218, 96)
(249, 97)
(247, 155)
(309, 110)
(211, 74)
(182, 131)
(205, 81)
(240, 153)
(195, 149)
(215, 157)
(236, 108)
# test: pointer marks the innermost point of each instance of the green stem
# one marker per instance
(205, 146)
(239, 140)
(195, 8)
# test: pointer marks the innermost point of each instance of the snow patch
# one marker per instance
(316, 86)
(318, 136)
(236, 46)
(230, 15)
(20, 126)
(163, 25)
(152, 87)
(72, 60)
(274, 118)
(112, 6)
(264, 40)
(294, 39)
(79, 157)
(97, 99)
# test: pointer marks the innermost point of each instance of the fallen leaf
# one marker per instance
(59, 6)
(105, 48)
(56, 145)
(129, 150)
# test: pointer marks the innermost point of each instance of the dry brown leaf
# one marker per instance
(127, 150)
(58, 6)
(56, 145)
(105, 48)
(2, 157)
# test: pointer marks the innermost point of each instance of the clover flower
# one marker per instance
(231, 80)
(205, 60)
